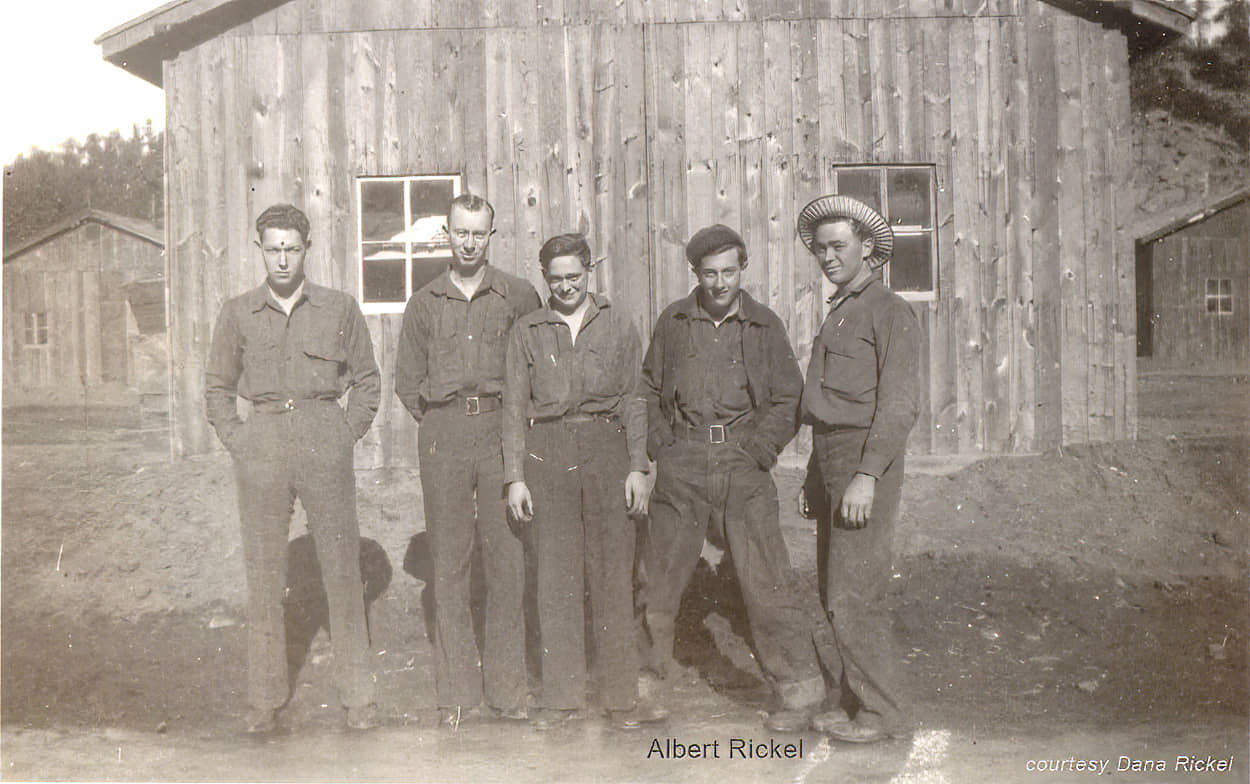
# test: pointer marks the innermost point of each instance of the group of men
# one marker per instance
(538, 426)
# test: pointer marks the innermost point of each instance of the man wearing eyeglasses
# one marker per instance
(293, 348)
(449, 374)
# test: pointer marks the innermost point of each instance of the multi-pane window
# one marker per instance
(403, 236)
(36, 329)
(904, 195)
(1219, 296)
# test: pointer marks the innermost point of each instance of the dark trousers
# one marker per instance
(718, 491)
(305, 453)
(854, 568)
(462, 482)
(583, 542)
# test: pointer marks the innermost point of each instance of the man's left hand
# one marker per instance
(857, 500)
(637, 493)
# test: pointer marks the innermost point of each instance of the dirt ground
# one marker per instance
(1090, 598)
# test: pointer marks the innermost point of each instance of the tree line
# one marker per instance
(124, 175)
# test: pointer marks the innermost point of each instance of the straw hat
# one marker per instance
(824, 208)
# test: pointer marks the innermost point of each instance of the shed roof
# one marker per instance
(1189, 217)
(144, 230)
(141, 44)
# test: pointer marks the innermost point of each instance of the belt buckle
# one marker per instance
(472, 406)
(716, 434)
(289, 405)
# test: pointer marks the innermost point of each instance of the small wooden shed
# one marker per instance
(1193, 287)
(84, 315)
(993, 134)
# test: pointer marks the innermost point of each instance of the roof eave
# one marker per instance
(1213, 208)
(144, 230)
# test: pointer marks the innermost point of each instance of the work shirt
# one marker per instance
(550, 376)
(451, 345)
(864, 371)
(320, 351)
(773, 380)
(712, 383)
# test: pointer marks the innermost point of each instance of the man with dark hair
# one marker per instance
(293, 348)
(861, 398)
(722, 391)
(449, 374)
(574, 475)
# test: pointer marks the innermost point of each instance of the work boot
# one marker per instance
(788, 720)
(643, 712)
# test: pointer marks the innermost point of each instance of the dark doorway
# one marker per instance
(1145, 300)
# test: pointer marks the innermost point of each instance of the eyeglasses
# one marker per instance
(464, 234)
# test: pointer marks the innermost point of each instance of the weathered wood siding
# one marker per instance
(638, 122)
(78, 279)
(1184, 332)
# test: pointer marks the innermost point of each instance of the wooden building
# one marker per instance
(84, 315)
(994, 133)
(1193, 288)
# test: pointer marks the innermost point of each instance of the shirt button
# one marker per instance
(470, 337)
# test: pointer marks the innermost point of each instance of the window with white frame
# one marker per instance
(905, 197)
(403, 238)
(36, 329)
(1219, 297)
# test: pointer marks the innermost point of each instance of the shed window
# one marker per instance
(1219, 296)
(403, 238)
(36, 329)
(905, 196)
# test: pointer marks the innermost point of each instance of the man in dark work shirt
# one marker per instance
(722, 389)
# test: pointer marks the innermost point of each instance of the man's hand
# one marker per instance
(520, 503)
(637, 493)
(857, 500)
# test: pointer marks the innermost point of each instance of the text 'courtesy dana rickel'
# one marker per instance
(725, 748)
(1181, 763)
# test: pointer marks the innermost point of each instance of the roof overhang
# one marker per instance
(141, 45)
(1174, 224)
(144, 230)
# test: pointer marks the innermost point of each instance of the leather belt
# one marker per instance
(472, 405)
(288, 405)
(578, 419)
(711, 434)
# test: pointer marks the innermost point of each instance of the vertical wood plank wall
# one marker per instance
(77, 279)
(639, 122)
(1184, 333)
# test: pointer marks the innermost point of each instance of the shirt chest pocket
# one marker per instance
(261, 360)
(850, 366)
(549, 371)
(325, 357)
(604, 377)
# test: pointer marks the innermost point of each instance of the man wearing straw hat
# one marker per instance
(861, 397)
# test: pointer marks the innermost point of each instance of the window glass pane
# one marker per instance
(430, 196)
(427, 269)
(1226, 304)
(1212, 287)
(383, 280)
(908, 192)
(1226, 287)
(381, 209)
(862, 184)
(1213, 305)
(911, 264)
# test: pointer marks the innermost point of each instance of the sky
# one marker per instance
(57, 84)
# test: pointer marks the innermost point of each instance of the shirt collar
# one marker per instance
(749, 310)
(313, 294)
(855, 290)
(594, 304)
(444, 287)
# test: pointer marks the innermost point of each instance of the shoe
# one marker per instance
(857, 732)
(363, 717)
(549, 718)
(788, 721)
(632, 719)
(829, 721)
(262, 721)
